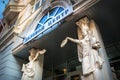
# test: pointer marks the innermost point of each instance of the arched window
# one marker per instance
(48, 16)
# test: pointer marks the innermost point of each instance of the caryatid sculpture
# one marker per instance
(89, 51)
(30, 70)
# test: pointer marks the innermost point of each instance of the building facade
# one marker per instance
(44, 24)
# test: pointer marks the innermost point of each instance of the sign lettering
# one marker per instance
(49, 24)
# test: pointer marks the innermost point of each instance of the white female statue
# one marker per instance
(30, 70)
(89, 56)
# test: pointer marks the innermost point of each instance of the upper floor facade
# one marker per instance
(22, 16)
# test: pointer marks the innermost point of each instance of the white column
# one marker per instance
(106, 70)
(39, 68)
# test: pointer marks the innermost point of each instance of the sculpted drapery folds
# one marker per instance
(88, 49)
(29, 69)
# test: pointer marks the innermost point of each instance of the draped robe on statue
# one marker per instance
(33, 69)
(91, 51)
(90, 58)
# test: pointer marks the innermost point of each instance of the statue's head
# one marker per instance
(33, 50)
(83, 25)
(83, 21)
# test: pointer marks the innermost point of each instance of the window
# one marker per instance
(37, 5)
(49, 16)
(74, 65)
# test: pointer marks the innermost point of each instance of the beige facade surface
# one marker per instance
(21, 18)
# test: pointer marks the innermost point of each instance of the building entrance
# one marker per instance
(70, 70)
(61, 63)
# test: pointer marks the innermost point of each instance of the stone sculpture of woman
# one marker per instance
(30, 69)
(89, 56)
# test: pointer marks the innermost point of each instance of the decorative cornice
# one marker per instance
(83, 5)
(6, 38)
(17, 1)
(13, 8)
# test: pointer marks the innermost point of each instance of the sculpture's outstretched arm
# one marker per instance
(42, 51)
(39, 52)
(71, 39)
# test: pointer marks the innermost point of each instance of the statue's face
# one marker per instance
(32, 52)
(84, 29)
(83, 24)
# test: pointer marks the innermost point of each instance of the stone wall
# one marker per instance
(10, 66)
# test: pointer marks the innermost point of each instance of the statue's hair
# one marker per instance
(33, 48)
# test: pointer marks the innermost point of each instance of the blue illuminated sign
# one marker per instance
(49, 20)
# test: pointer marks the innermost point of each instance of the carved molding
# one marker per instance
(18, 1)
(13, 8)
